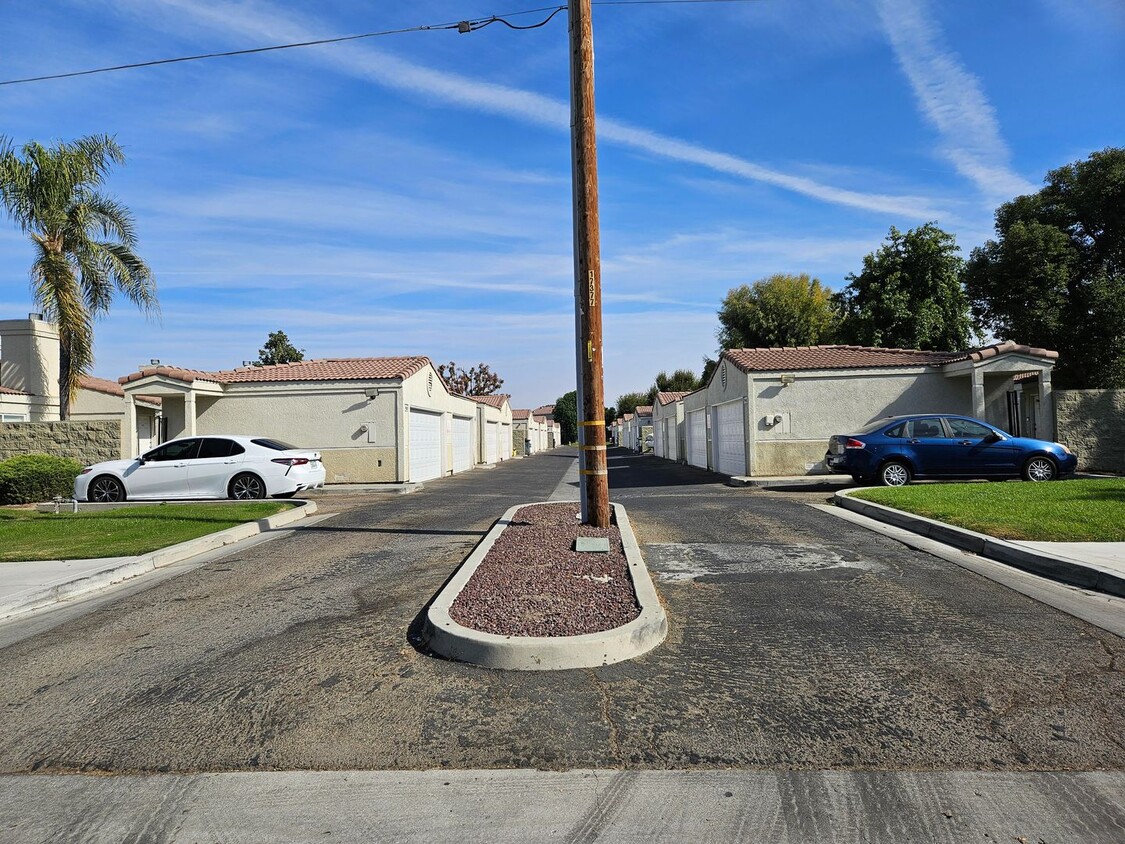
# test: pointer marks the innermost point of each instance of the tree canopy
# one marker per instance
(1054, 276)
(781, 310)
(908, 295)
(680, 381)
(629, 402)
(84, 243)
(566, 414)
(278, 349)
(477, 380)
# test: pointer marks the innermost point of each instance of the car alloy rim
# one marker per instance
(895, 475)
(105, 491)
(1040, 470)
(246, 488)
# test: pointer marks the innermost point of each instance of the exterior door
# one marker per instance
(730, 439)
(462, 444)
(504, 444)
(425, 445)
(697, 438)
(144, 433)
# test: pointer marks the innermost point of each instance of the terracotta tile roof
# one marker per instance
(110, 388)
(324, 369)
(8, 391)
(830, 357)
(646, 410)
(864, 357)
(672, 396)
(1007, 347)
(626, 416)
(497, 400)
(522, 414)
(544, 410)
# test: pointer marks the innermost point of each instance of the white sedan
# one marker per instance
(205, 467)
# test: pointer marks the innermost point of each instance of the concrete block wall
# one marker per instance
(1092, 423)
(88, 442)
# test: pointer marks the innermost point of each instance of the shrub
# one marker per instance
(37, 477)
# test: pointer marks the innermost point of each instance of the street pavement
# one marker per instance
(823, 667)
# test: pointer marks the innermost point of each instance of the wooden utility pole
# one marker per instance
(593, 475)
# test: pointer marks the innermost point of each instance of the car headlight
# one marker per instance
(1064, 448)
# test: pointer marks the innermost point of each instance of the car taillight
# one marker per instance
(290, 461)
(854, 444)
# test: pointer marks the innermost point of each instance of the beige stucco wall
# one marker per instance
(821, 403)
(1092, 424)
(93, 405)
(357, 435)
(29, 362)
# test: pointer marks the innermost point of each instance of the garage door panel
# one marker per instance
(697, 438)
(491, 433)
(462, 444)
(425, 445)
(730, 439)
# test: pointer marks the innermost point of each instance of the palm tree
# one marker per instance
(84, 243)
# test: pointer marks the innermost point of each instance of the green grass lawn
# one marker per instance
(1058, 511)
(122, 532)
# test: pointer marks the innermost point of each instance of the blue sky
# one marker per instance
(410, 194)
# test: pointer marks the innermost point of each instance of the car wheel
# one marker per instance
(1040, 469)
(105, 490)
(894, 473)
(245, 487)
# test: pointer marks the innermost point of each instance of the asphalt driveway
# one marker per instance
(798, 642)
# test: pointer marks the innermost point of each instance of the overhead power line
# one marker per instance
(463, 26)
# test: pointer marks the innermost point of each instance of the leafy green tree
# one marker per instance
(83, 243)
(1054, 277)
(566, 414)
(278, 349)
(477, 380)
(629, 402)
(680, 381)
(909, 295)
(610, 416)
(709, 365)
(781, 310)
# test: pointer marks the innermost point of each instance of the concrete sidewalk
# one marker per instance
(32, 585)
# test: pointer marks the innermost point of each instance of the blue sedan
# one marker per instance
(895, 450)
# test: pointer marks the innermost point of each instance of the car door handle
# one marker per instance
(915, 442)
(966, 442)
(178, 465)
(230, 461)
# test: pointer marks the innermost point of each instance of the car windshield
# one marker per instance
(276, 445)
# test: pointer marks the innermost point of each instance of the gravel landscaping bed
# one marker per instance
(533, 583)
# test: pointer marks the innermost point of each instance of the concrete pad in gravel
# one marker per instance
(545, 653)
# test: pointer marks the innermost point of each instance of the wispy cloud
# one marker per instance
(264, 22)
(952, 99)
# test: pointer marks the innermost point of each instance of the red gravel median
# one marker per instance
(533, 583)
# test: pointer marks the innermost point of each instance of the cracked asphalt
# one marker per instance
(797, 642)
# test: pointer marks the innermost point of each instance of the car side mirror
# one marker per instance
(993, 438)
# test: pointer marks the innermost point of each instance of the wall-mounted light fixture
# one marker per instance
(787, 379)
(371, 392)
(154, 362)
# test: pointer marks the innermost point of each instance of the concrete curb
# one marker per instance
(1056, 568)
(53, 593)
(542, 653)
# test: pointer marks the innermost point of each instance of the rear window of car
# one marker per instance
(276, 445)
(898, 431)
(219, 448)
(871, 427)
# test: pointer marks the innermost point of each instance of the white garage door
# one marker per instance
(697, 439)
(491, 431)
(730, 439)
(462, 444)
(504, 446)
(425, 445)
